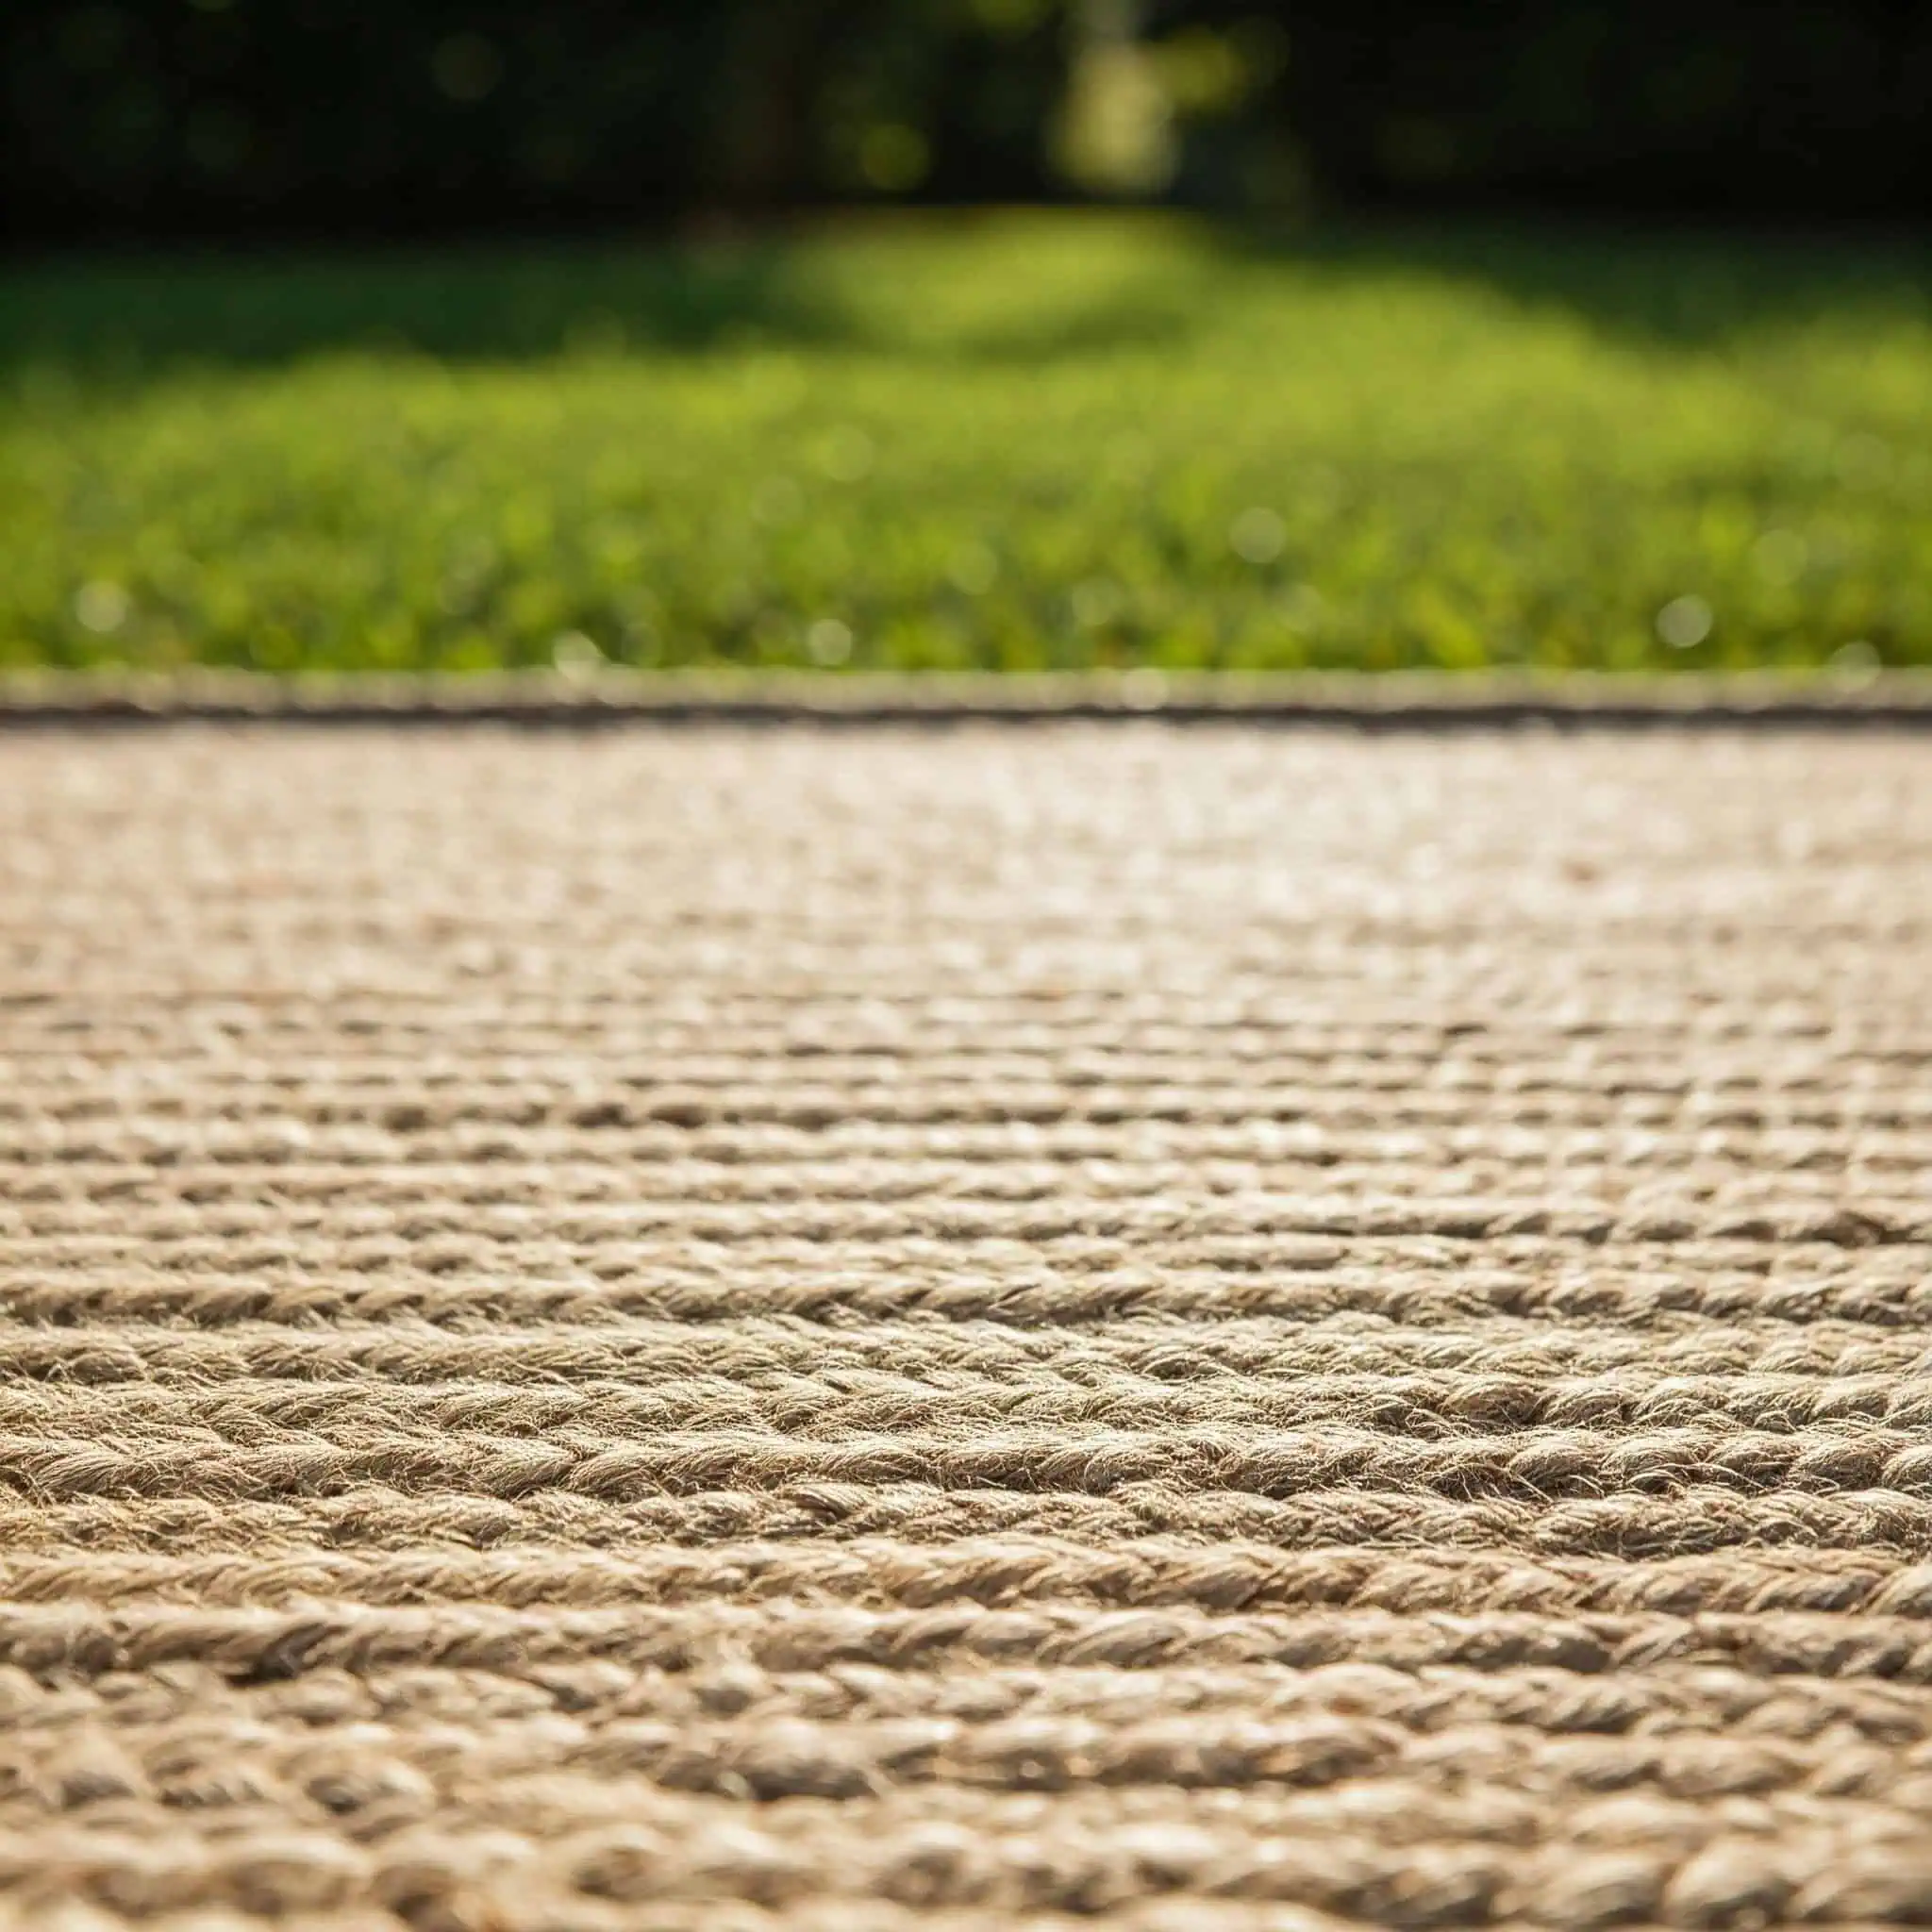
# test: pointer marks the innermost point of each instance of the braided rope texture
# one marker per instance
(915, 1328)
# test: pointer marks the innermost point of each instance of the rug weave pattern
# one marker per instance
(918, 1329)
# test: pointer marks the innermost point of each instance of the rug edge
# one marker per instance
(1896, 698)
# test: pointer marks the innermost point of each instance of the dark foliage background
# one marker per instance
(267, 118)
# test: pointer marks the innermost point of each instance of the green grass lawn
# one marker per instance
(1022, 442)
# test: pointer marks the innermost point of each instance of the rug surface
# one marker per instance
(921, 1328)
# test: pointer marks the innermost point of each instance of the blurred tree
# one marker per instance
(217, 117)
(767, 91)
(1782, 107)
(1115, 133)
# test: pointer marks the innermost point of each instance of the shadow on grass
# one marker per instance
(894, 287)
(1665, 288)
(131, 315)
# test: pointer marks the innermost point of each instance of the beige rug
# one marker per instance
(853, 1328)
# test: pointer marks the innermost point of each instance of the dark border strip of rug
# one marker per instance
(1393, 700)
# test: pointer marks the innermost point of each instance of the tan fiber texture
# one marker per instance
(1007, 1326)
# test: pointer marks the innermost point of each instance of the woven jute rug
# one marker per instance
(896, 1327)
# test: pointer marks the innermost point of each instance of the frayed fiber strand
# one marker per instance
(736, 1327)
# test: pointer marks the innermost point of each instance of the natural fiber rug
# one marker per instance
(865, 1329)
